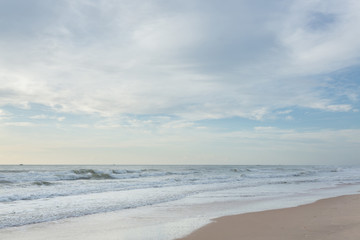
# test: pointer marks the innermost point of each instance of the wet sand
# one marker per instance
(327, 219)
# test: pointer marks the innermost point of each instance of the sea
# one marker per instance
(171, 201)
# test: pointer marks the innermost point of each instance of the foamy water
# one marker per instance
(194, 194)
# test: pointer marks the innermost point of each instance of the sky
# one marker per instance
(179, 82)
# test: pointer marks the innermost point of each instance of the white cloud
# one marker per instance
(326, 49)
(3, 113)
(177, 124)
(18, 124)
(339, 108)
(284, 112)
(81, 125)
(112, 58)
(162, 34)
(266, 129)
(42, 116)
(325, 138)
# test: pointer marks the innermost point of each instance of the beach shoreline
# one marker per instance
(332, 218)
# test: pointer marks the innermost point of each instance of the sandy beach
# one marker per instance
(333, 219)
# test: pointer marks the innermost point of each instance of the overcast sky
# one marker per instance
(179, 82)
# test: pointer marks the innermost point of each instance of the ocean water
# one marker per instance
(35, 194)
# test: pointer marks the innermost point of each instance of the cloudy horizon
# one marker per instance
(179, 82)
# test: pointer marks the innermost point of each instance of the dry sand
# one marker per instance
(335, 218)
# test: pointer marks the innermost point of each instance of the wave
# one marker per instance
(303, 173)
(4, 182)
(92, 174)
(240, 170)
(42, 183)
(44, 177)
(294, 181)
(13, 171)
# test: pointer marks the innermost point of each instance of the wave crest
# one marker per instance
(92, 174)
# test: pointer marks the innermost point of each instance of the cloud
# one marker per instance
(319, 21)
(322, 41)
(339, 108)
(177, 124)
(183, 59)
(284, 112)
(3, 113)
(42, 116)
(265, 129)
(18, 124)
(324, 138)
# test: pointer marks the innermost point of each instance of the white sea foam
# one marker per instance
(33, 194)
